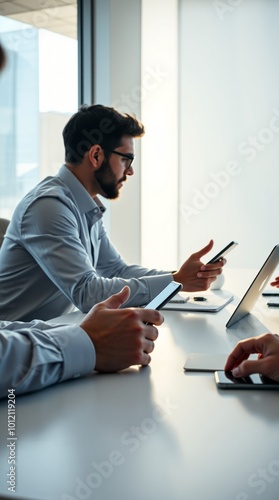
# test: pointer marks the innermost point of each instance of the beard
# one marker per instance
(107, 181)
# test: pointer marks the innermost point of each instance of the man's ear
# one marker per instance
(96, 156)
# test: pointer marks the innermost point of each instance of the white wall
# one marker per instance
(159, 170)
(209, 170)
(117, 39)
(229, 135)
(125, 67)
(136, 72)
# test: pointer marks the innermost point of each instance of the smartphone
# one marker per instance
(273, 303)
(204, 362)
(164, 296)
(223, 252)
(225, 380)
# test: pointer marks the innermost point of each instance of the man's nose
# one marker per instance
(129, 170)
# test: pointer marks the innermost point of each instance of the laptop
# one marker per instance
(255, 289)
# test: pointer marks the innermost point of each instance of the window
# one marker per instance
(38, 93)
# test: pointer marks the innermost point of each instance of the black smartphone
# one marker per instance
(226, 380)
(164, 296)
(271, 293)
(223, 252)
(273, 303)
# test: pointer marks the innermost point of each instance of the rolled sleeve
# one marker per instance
(77, 349)
(37, 354)
(157, 283)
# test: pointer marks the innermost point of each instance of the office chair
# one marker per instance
(3, 227)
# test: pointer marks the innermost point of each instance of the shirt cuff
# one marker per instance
(77, 349)
(157, 283)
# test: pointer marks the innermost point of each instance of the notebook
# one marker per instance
(199, 301)
(256, 288)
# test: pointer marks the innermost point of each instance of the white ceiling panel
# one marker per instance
(7, 8)
(58, 16)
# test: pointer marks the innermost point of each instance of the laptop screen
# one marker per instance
(255, 289)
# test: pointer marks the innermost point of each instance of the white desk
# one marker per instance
(163, 434)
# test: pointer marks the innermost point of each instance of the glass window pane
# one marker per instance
(38, 94)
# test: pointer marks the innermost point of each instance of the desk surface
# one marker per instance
(156, 432)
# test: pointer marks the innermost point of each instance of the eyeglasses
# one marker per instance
(128, 156)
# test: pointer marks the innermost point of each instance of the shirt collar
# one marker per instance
(84, 201)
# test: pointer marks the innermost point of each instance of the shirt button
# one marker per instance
(96, 210)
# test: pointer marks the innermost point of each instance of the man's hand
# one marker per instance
(196, 276)
(122, 337)
(267, 347)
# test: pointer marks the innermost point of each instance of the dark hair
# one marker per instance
(2, 57)
(97, 124)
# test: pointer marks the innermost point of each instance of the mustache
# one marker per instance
(123, 179)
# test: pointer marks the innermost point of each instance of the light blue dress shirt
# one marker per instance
(56, 254)
(35, 355)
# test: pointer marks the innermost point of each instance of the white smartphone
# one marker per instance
(225, 380)
(223, 252)
(164, 296)
(204, 362)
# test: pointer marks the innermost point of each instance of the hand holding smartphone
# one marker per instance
(223, 252)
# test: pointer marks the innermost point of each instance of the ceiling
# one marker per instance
(59, 16)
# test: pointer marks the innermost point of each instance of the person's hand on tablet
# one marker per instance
(267, 364)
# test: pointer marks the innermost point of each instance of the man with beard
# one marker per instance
(35, 355)
(56, 253)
